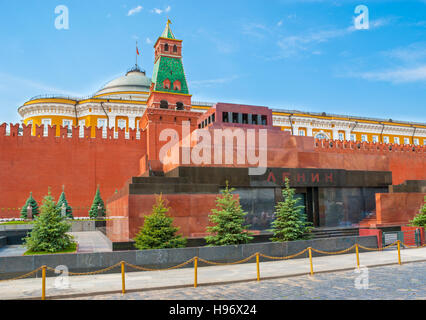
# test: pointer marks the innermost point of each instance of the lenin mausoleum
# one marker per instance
(349, 172)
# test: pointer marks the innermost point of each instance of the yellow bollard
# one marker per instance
(195, 272)
(123, 278)
(399, 252)
(357, 255)
(258, 266)
(310, 261)
(43, 283)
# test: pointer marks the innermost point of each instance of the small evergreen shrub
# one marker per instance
(158, 231)
(228, 221)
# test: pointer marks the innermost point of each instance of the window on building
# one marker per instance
(353, 137)
(364, 138)
(234, 117)
(213, 117)
(254, 118)
(176, 85)
(164, 104)
(67, 124)
(302, 133)
(46, 123)
(121, 123)
(166, 84)
(175, 48)
(179, 106)
(321, 136)
(341, 136)
(82, 124)
(225, 117)
(386, 140)
(375, 139)
(416, 142)
(166, 47)
(264, 120)
(396, 140)
(406, 140)
(245, 118)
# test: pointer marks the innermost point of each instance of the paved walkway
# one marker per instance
(110, 283)
(406, 282)
(93, 241)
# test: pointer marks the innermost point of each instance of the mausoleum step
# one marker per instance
(334, 233)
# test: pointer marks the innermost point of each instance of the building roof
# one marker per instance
(134, 80)
(167, 33)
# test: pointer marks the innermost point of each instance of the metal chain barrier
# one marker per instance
(227, 263)
(88, 273)
(148, 269)
(23, 276)
(337, 252)
(379, 249)
(284, 258)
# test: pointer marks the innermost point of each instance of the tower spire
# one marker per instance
(167, 33)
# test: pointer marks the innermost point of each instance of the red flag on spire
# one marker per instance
(137, 51)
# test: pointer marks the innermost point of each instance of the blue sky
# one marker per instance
(303, 54)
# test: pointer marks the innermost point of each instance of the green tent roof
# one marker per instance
(167, 33)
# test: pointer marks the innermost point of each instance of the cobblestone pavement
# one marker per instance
(406, 282)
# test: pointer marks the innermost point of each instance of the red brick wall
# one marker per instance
(190, 213)
(33, 164)
(397, 208)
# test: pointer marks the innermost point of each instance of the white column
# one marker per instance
(335, 134)
(112, 121)
(295, 130)
(132, 122)
(309, 131)
(348, 135)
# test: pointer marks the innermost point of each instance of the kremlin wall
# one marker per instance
(342, 183)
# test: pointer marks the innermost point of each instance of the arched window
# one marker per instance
(179, 106)
(164, 104)
(321, 136)
(176, 85)
(166, 84)
(166, 47)
(175, 48)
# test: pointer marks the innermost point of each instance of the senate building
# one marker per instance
(349, 172)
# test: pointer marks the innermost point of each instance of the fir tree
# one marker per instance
(157, 231)
(30, 202)
(420, 219)
(63, 200)
(228, 221)
(49, 233)
(97, 201)
(290, 221)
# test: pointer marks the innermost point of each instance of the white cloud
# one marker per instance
(134, 10)
(280, 23)
(148, 41)
(168, 9)
(401, 75)
(157, 11)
